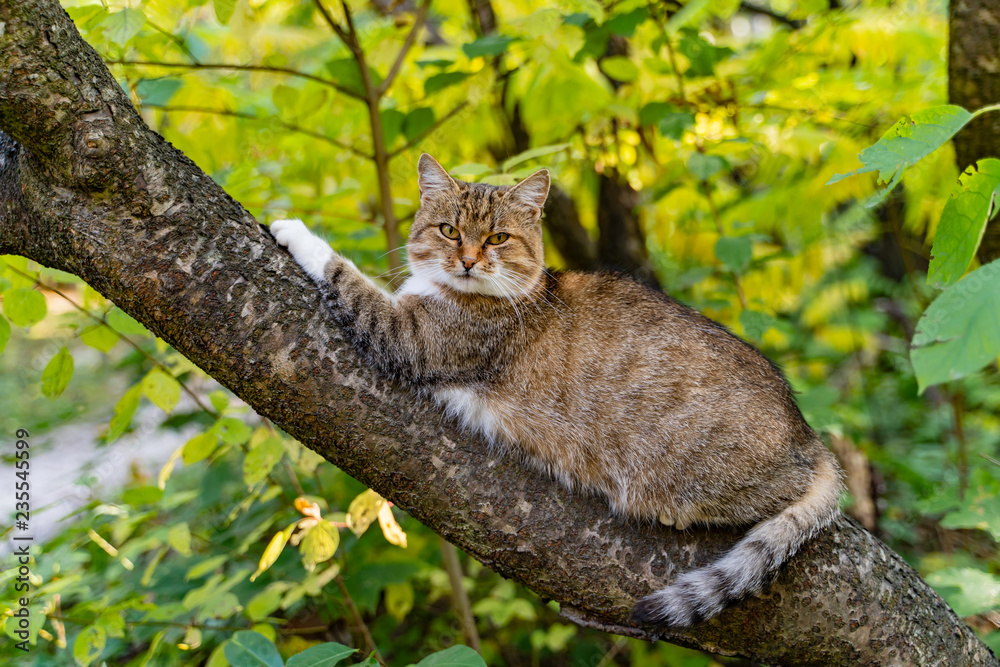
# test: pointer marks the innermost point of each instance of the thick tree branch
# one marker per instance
(96, 193)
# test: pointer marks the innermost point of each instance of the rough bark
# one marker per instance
(95, 192)
(974, 82)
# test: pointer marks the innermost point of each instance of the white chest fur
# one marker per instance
(472, 411)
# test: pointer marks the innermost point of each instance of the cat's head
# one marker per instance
(478, 238)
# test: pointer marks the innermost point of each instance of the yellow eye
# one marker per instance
(450, 232)
(497, 239)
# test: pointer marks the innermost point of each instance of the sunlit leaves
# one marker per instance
(124, 411)
(531, 154)
(100, 337)
(200, 447)
(163, 390)
(701, 54)
(224, 10)
(261, 460)
(248, 648)
(704, 166)
(319, 544)
(125, 324)
(620, 68)
(967, 590)
(57, 373)
(490, 45)
(273, 550)
(963, 221)
(668, 118)
(959, 333)
(179, 537)
(89, 645)
(23, 306)
(363, 511)
(122, 26)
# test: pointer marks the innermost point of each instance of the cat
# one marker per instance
(605, 383)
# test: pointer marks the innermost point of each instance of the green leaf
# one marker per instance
(963, 221)
(162, 389)
(206, 566)
(4, 333)
(755, 323)
(981, 514)
(701, 54)
(224, 10)
(456, 656)
(57, 373)
(392, 124)
(142, 495)
(200, 447)
(89, 645)
(252, 649)
(233, 431)
(488, 46)
(625, 24)
(345, 71)
(219, 399)
(124, 324)
(909, 140)
(23, 306)
(399, 599)
(436, 82)
(531, 154)
(179, 537)
(705, 166)
(285, 98)
(100, 337)
(968, 591)
(672, 122)
(261, 460)
(620, 68)
(122, 26)
(416, 122)
(124, 411)
(323, 655)
(959, 333)
(735, 252)
(157, 91)
(319, 544)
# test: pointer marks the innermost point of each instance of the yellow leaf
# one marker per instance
(393, 533)
(307, 508)
(319, 544)
(273, 550)
(363, 511)
(168, 467)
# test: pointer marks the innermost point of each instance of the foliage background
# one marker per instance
(718, 123)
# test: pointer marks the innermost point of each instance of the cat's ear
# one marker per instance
(433, 178)
(531, 192)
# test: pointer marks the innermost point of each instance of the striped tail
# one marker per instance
(701, 594)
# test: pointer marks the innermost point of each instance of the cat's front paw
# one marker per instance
(310, 251)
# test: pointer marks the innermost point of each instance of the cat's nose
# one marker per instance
(468, 262)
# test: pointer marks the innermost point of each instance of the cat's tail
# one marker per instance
(700, 594)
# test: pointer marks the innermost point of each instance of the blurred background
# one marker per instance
(690, 143)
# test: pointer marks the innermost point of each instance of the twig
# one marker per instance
(249, 116)
(337, 28)
(243, 68)
(459, 598)
(410, 38)
(179, 41)
(360, 622)
(737, 281)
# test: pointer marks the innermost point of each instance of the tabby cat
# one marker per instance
(605, 383)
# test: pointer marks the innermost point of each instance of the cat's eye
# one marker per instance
(450, 232)
(497, 239)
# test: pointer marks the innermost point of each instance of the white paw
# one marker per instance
(310, 251)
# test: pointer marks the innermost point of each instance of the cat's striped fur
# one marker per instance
(605, 383)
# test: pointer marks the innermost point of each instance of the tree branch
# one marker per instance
(96, 193)
(245, 68)
(291, 127)
(407, 44)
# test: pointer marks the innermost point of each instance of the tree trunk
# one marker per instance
(91, 190)
(974, 82)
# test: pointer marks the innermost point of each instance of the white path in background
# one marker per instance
(72, 469)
